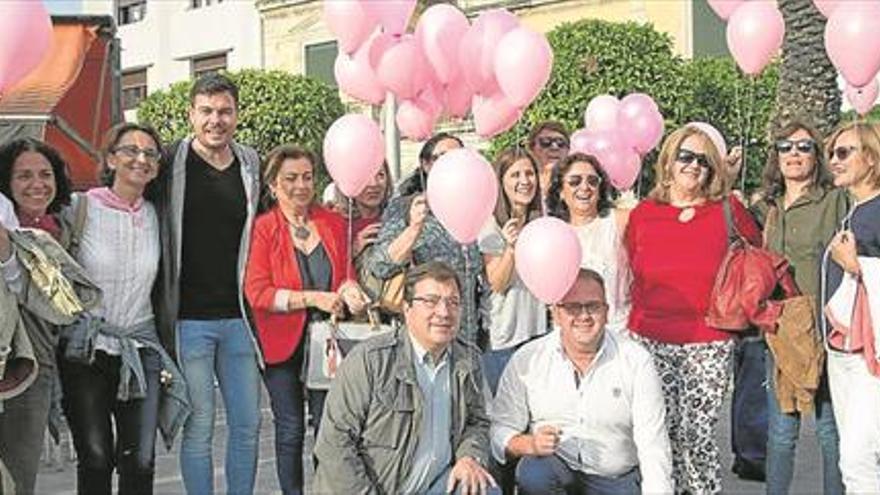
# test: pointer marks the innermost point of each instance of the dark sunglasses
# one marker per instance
(574, 181)
(591, 308)
(547, 142)
(841, 153)
(686, 157)
(805, 146)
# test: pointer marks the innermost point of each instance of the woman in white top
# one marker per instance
(515, 315)
(116, 381)
(579, 193)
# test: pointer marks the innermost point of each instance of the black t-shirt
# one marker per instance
(214, 214)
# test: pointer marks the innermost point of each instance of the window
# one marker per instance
(134, 88)
(197, 4)
(207, 64)
(130, 11)
(320, 58)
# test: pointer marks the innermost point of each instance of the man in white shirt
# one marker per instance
(582, 407)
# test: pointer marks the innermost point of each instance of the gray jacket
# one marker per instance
(169, 208)
(372, 417)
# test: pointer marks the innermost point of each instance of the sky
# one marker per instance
(63, 6)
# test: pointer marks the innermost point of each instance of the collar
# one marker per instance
(111, 200)
(421, 355)
(556, 344)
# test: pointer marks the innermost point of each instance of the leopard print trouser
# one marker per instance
(695, 378)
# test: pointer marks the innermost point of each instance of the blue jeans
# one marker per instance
(783, 434)
(22, 426)
(224, 348)
(549, 475)
(286, 393)
(494, 363)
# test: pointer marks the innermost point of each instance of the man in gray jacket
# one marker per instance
(406, 411)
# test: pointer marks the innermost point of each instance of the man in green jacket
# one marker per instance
(406, 411)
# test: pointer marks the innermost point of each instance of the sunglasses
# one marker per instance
(574, 181)
(547, 142)
(592, 308)
(841, 153)
(686, 157)
(805, 146)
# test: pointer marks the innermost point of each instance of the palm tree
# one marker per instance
(807, 80)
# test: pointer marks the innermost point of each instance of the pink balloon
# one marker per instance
(477, 50)
(26, 38)
(457, 98)
(622, 164)
(826, 7)
(353, 151)
(522, 68)
(724, 8)
(377, 45)
(599, 142)
(541, 241)
(415, 120)
(580, 142)
(640, 119)
(601, 114)
(357, 79)
(462, 190)
(403, 69)
(440, 31)
(392, 15)
(852, 40)
(862, 99)
(493, 114)
(754, 35)
(350, 21)
(714, 135)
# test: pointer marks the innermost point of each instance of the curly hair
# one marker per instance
(10, 152)
(556, 206)
(716, 185)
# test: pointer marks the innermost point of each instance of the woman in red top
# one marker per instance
(676, 240)
(298, 270)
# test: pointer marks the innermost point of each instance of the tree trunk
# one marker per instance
(807, 81)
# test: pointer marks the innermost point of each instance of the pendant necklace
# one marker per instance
(687, 214)
(300, 232)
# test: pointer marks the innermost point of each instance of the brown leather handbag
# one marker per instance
(745, 282)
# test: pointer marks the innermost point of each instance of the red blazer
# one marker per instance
(272, 266)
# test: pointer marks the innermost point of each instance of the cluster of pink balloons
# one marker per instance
(755, 30)
(618, 133)
(25, 38)
(852, 40)
(447, 66)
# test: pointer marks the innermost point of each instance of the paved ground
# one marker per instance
(61, 479)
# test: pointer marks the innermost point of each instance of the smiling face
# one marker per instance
(580, 189)
(32, 183)
(520, 182)
(582, 315)
(690, 176)
(433, 314)
(795, 163)
(374, 193)
(294, 186)
(213, 118)
(134, 159)
(550, 146)
(848, 164)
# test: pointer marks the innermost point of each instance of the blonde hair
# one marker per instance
(716, 185)
(868, 135)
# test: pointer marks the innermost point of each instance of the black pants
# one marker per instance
(90, 403)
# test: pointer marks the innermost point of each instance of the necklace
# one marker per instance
(687, 214)
(300, 232)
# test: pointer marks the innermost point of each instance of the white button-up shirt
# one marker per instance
(612, 419)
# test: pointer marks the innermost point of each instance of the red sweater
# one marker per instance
(272, 266)
(674, 266)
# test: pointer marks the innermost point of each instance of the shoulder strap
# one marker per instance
(732, 233)
(79, 223)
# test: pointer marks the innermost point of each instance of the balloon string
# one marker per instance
(469, 291)
(350, 239)
(749, 112)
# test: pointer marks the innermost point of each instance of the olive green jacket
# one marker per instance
(372, 417)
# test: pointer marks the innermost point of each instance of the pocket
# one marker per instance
(390, 418)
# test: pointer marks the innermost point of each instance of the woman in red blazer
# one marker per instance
(298, 271)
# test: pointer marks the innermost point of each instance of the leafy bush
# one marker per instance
(275, 108)
(593, 57)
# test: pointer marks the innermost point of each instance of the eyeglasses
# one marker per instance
(686, 157)
(436, 156)
(547, 142)
(131, 151)
(841, 153)
(431, 302)
(592, 180)
(805, 146)
(592, 308)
